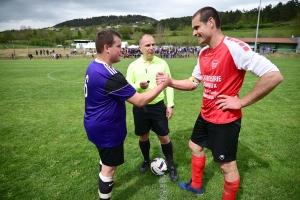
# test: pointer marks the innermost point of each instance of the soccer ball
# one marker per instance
(159, 166)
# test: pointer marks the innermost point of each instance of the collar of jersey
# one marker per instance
(101, 62)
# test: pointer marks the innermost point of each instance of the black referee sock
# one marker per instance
(145, 148)
(167, 150)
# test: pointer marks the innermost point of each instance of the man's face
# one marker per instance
(116, 50)
(201, 30)
(147, 46)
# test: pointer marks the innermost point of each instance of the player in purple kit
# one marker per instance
(106, 91)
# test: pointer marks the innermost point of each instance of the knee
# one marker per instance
(164, 139)
(145, 137)
(230, 169)
(196, 150)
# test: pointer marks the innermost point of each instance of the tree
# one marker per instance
(125, 32)
(240, 24)
(60, 38)
(9, 36)
(137, 36)
(79, 35)
(67, 33)
(159, 34)
(298, 21)
(51, 35)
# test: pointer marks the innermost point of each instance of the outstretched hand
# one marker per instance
(162, 78)
(228, 102)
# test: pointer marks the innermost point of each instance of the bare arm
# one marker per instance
(186, 84)
(264, 86)
(143, 99)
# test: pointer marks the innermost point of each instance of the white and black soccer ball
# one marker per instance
(159, 166)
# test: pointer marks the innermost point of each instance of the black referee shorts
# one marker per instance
(151, 117)
(221, 139)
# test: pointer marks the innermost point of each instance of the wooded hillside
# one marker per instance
(176, 31)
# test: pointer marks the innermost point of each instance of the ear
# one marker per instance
(106, 47)
(211, 22)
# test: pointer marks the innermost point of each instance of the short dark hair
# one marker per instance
(207, 12)
(105, 37)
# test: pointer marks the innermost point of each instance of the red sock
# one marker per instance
(230, 189)
(198, 165)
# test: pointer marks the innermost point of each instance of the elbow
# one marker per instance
(193, 88)
(278, 79)
(140, 104)
(274, 78)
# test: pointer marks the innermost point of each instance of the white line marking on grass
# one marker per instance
(163, 192)
(55, 79)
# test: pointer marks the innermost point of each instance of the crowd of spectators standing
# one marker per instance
(162, 52)
(51, 53)
(165, 52)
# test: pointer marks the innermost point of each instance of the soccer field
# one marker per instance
(45, 153)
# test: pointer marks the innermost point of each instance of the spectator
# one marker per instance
(30, 56)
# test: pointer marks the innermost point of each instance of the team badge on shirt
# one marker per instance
(214, 64)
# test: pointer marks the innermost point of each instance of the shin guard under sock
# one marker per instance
(105, 187)
(230, 189)
(198, 165)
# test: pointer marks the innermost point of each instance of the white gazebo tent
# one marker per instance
(90, 45)
(133, 47)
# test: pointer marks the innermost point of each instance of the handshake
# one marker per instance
(164, 79)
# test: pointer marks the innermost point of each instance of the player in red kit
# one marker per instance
(221, 67)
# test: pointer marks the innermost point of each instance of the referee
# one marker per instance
(141, 74)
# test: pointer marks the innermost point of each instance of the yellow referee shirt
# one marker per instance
(141, 70)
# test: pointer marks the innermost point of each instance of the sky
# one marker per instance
(37, 14)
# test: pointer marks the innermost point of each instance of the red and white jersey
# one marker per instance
(222, 71)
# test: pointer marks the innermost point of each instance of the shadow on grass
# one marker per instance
(129, 181)
(248, 161)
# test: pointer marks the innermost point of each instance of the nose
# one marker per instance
(194, 33)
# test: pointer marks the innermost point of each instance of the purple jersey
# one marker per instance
(106, 90)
